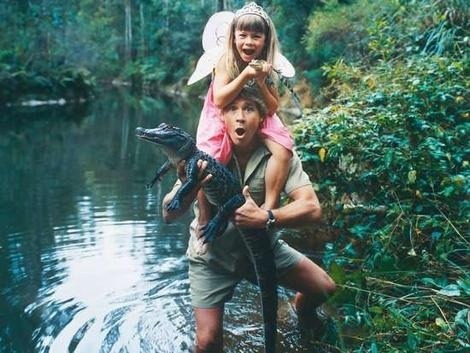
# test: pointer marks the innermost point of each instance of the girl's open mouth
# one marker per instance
(240, 131)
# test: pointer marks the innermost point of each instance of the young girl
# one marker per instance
(250, 50)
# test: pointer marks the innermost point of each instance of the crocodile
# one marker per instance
(223, 191)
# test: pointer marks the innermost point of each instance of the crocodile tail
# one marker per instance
(259, 244)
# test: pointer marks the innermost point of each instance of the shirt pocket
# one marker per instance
(257, 189)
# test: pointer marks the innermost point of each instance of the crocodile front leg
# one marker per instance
(159, 173)
(192, 174)
(218, 223)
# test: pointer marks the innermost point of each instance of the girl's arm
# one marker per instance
(270, 95)
(225, 91)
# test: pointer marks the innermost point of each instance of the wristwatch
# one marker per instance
(271, 220)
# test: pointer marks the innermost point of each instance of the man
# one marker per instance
(214, 272)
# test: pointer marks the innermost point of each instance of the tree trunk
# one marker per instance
(128, 32)
(142, 32)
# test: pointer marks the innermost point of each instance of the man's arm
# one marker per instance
(302, 210)
(170, 216)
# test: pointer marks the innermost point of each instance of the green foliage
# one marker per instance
(148, 44)
(291, 18)
(339, 31)
(390, 155)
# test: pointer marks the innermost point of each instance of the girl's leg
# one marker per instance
(276, 172)
(209, 330)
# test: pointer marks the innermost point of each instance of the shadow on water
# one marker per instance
(86, 265)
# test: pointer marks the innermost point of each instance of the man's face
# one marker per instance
(242, 120)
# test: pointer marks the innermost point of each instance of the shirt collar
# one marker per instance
(258, 155)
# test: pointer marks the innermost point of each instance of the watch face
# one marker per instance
(271, 220)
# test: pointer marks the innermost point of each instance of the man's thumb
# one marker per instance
(246, 193)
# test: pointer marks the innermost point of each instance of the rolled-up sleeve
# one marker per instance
(297, 176)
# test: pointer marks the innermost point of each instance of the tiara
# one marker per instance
(252, 9)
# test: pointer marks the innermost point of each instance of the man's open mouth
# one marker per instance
(240, 131)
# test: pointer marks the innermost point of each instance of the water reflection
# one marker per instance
(85, 263)
(86, 266)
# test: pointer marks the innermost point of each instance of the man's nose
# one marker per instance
(240, 115)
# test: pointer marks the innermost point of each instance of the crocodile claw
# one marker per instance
(209, 232)
(212, 230)
(174, 205)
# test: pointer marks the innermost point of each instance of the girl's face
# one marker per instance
(249, 44)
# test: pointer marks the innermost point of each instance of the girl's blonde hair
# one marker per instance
(255, 23)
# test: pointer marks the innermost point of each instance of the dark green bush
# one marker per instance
(390, 158)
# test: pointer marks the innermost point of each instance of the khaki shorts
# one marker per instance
(212, 287)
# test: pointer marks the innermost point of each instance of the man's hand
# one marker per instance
(250, 215)
(181, 172)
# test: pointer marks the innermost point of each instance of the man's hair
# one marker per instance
(252, 94)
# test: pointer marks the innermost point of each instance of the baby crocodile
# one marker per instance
(222, 190)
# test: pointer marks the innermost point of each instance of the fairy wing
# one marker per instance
(284, 66)
(205, 65)
(216, 30)
(213, 39)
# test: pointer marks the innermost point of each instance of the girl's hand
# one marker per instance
(251, 72)
(262, 68)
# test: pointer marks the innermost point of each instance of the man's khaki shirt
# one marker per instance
(228, 250)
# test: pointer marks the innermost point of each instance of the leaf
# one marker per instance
(435, 235)
(465, 285)
(438, 282)
(412, 341)
(411, 176)
(376, 309)
(440, 322)
(462, 318)
(373, 348)
(337, 273)
(322, 154)
(452, 290)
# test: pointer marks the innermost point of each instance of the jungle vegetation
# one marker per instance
(384, 135)
(389, 153)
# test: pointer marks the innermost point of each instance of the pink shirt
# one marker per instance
(212, 136)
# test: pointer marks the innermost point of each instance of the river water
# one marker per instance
(86, 265)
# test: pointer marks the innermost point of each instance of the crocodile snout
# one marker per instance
(139, 131)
